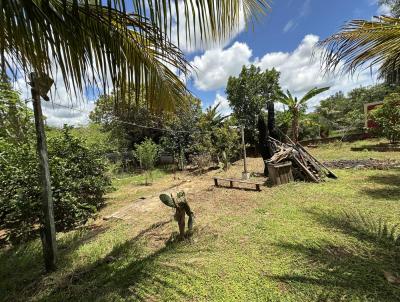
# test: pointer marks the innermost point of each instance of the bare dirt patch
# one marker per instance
(203, 197)
(363, 164)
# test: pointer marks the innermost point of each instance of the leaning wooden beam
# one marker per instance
(305, 170)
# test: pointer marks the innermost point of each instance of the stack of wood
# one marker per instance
(304, 166)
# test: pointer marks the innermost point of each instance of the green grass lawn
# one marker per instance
(342, 150)
(297, 242)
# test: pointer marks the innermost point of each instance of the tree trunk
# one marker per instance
(295, 127)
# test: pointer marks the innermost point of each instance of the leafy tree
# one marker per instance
(183, 124)
(216, 135)
(298, 106)
(227, 141)
(15, 116)
(387, 117)
(339, 112)
(147, 153)
(249, 93)
(283, 121)
(121, 125)
(77, 176)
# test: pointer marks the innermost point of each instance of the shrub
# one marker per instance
(201, 161)
(147, 153)
(387, 117)
(78, 183)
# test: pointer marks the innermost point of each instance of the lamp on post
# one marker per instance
(40, 87)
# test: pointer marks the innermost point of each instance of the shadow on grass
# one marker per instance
(391, 189)
(22, 266)
(127, 272)
(349, 271)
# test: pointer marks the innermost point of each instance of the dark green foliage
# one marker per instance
(183, 124)
(147, 154)
(119, 124)
(340, 112)
(249, 93)
(78, 182)
(216, 134)
(15, 117)
(388, 117)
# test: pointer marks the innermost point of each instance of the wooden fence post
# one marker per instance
(48, 232)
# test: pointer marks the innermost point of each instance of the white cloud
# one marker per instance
(223, 102)
(214, 67)
(76, 113)
(291, 24)
(300, 70)
(191, 44)
(305, 9)
(383, 10)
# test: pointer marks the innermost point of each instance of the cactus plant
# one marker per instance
(182, 208)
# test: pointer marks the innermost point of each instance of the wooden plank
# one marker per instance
(237, 180)
(329, 172)
(232, 181)
(309, 174)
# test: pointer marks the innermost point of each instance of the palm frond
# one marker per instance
(364, 43)
(286, 99)
(208, 19)
(96, 44)
(312, 93)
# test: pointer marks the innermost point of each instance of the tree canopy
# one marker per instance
(249, 93)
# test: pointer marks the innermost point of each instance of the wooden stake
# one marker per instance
(48, 232)
(244, 149)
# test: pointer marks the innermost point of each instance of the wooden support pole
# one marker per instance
(244, 149)
(48, 232)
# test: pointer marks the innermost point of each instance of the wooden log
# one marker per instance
(305, 170)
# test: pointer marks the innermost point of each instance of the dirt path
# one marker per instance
(203, 197)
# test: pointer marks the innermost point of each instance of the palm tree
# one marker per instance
(364, 42)
(102, 44)
(213, 117)
(296, 106)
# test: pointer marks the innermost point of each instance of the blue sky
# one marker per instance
(284, 39)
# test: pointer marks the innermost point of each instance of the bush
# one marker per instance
(201, 161)
(387, 117)
(78, 183)
(147, 153)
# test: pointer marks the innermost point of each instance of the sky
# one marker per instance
(284, 39)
